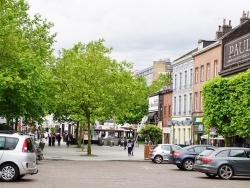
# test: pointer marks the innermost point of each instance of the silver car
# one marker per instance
(224, 162)
(161, 152)
(17, 156)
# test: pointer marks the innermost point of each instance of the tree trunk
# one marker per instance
(89, 136)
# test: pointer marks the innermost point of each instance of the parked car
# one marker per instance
(161, 152)
(225, 162)
(17, 156)
(184, 158)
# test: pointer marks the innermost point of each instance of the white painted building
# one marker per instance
(182, 99)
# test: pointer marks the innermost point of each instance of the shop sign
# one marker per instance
(237, 51)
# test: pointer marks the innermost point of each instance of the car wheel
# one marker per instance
(225, 172)
(180, 167)
(9, 172)
(158, 159)
(153, 160)
(211, 175)
(188, 164)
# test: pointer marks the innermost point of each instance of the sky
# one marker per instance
(139, 31)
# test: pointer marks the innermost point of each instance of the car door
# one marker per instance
(240, 161)
(166, 151)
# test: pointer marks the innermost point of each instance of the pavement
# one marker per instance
(99, 153)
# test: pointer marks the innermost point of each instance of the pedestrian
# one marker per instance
(129, 145)
(133, 144)
(119, 143)
(49, 135)
(58, 137)
(53, 139)
(125, 144)
(68, 139)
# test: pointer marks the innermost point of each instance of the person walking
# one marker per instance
(68, 139)
(58, 137)
(125, 144)
(129, 145)
(119, 143)
(53, 139)
(133, 144)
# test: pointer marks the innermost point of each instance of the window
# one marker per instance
(169, 111)
(223, 153)
(216, 68)
(165, 147)
(185, 104)
(175, 81)
(237, 153)
(180, 80)
(185, 81)
(208, 71)
(196, 101)
(165, 110)
(2, 141)
(174, 105)
(202, 73)
(10, 143)
(191, 76)
(199, 149)
(196, 75)
(179, 104)
(190, 102)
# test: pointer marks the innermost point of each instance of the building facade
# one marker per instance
(182, 99)
(152, 73)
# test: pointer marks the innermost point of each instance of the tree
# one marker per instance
(140, 103)
(151, 132)
(25, 48)
(239, 103)
(217, 110)
(161, 81)
(91, 84)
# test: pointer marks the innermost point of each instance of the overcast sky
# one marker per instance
(139, 31)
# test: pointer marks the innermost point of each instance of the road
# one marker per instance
(118, 174)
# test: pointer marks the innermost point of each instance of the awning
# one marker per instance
(151, 115)
(212, 138)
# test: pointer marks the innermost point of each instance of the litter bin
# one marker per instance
(147, 148)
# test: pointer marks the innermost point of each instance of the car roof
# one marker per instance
(191, 146)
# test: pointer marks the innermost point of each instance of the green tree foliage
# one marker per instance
(139, 106)
(217, 111)
(151, 132)
(226, 105)
(240, 103)
(91, 84)
(25, 47)
(161, 81)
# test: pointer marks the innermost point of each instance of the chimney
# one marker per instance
(244, 17)
(219, 33)
(226, 28)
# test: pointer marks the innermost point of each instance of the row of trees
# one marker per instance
(83, 83)
(226, 105)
